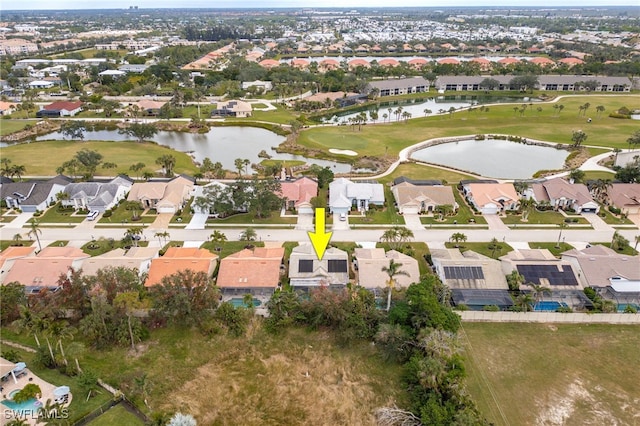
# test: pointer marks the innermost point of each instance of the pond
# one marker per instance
(416, 107)
(223, 144)
(494, 158)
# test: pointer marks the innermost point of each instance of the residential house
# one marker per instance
(165, 197)
(178, 259)
(6, 108)
(490, 197)
(625, 196)
(563, 195)
(541, 268)
(344, 194)
(298, 194)
(45, 269)
(199, 191)
(98, 196)
(475, 280)
(149, 107)
(30, 197)
(60, 109)
(370, 261)
(307, 272)
(9, 255)
(136, 258)
(256, 272)
(615, 276)
(401, 86)
(235, 108)
(264, 85)
(415, 199)
(545, 82)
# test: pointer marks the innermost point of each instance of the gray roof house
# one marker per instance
(344, 194)
(97, 195)
(32, 196)
(307, 272)
(401, 86)
(563, 195)
(545, 82)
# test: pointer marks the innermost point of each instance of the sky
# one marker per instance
(115, 4)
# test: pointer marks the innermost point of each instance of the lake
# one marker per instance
(494, 158)
(223, 144)
(416, 107)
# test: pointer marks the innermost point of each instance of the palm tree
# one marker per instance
(427, 112)
(162, 235)
(18, 170)
(599, 110)
(392, 270)
(515, 280)
(132, 232)
(17, 240)
(35, 231)
(458, 237)
(538, 292)
(618, 241)
(239, 163)
(61, 330)
(637, 241)
(218, 237)
(248, 234)
(524, 302)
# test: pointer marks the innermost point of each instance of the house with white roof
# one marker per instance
(98, 196)
(370, 262)
(345, 195)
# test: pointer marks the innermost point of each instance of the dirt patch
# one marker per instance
(561, 407)
(301, 386)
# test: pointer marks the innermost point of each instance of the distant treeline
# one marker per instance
(214, 33)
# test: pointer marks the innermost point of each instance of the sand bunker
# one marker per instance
(343, 152)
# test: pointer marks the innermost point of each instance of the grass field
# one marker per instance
(10, 126)
(483, 248)
(545, 374)
(39, 163)
(375, 140)
(562, 247)
(540, 217)
(117, 415)
(421, 171)
(254, 380)
(55, 215)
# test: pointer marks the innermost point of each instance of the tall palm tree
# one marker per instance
(458, 237)
(524, 302)
(132, 232)
(393, 270)
(61, 330)
(35, 231)
(538, 292)
(162, 235)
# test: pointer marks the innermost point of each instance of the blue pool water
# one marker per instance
(549, 306)
(237, 302)
(623, 306)
(31, 405)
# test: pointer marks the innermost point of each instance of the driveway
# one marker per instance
(305, 222)
(18, 221)
(162, 221)
(495, 223)
(340, 225)
(198, 221)
(597, 222)
(412, 221)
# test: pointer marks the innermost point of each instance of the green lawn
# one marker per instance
(535, 374)
(628, 250)
(612, 219)
(462, 217)
(251, 219)
(79, 406)
(552, 247)
(117, 415)
(121, 215)
(386, 215)
(57, 214)
(378, 140)
(596, 174)
(11, 126)
(229, 247)
(103, 245)
(280, 116)
(537, 217)
(185, 214)
(482, 248)
(43, 158)
(423, 171)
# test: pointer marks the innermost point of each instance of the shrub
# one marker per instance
(618, 115)
(630, 309)
(10, 355)
(491, 308)
(614, 210)
(107, 213)
(29, 391)
(564, 310)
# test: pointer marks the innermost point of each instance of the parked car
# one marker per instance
(343, 217)
(92, 215)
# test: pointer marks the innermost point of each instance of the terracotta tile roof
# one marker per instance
(66, 105)
(44, 269)
(485, 193)
(180, 259)
(300, 190)
(251, 268)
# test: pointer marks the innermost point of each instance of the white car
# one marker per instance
(343, 217)
(93, 215)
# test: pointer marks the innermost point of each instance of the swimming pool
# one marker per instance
(237, 302)
(549, 306)
(24, 408)
(623, 306)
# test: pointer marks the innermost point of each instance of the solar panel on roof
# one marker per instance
(305, 265)
(463, 273)
(551, 273)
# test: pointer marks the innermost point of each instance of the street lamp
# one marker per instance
(562, 226)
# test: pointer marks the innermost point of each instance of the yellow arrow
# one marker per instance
(319, 238)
